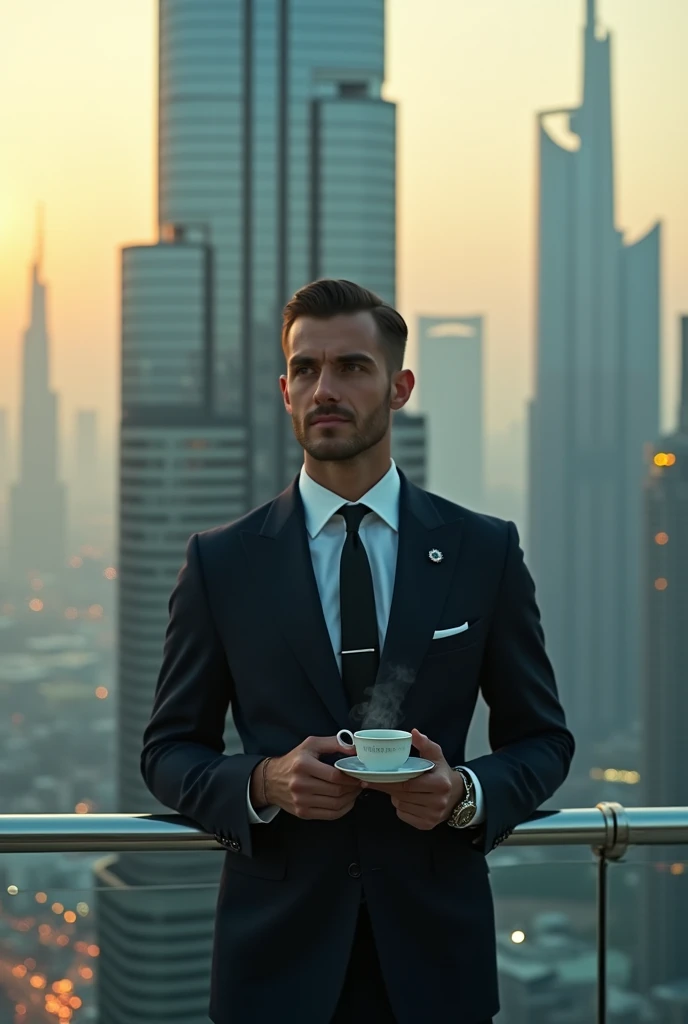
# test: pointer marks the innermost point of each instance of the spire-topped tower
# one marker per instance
(683, 400)
(40, 221)
(596, 406)
(591, 18)
(37, 512)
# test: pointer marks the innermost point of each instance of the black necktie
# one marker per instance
(360, 648)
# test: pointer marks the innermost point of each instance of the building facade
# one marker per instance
(450, 395)
(410, 445)
(596, 405)
(37, 511)
(665, 694)
(273, 135)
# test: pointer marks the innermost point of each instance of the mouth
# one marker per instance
(326, 421)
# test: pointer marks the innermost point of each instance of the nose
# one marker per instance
(326, 391)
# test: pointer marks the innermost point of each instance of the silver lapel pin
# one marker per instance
(435, 556)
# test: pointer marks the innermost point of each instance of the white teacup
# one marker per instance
(381, 750)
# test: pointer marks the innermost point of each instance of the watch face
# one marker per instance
(466, 815)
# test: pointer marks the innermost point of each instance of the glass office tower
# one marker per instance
(274, 137)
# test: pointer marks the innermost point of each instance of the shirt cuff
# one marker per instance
(479, 816)
(265, 815)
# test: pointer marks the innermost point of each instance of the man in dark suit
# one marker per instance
(353, 597)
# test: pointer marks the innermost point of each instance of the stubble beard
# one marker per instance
(339, 449)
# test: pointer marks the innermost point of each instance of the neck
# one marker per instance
(351, 478)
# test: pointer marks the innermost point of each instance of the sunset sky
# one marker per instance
(77, 131)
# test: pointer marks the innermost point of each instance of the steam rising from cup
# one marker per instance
(383, 709)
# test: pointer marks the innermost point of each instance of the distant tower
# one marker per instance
(37, 507)
(665, 693)
(85, 451)
(450, 390)
(410, 445)
(596, 405)
(4, 454)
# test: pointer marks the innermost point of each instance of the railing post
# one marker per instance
(602, 903)
(613, 848)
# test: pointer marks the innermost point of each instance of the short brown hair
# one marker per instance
(327, 298)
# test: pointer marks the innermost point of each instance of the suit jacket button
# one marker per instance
(355, 870)
(234, 845)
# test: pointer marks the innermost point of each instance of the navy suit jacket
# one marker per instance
(247, 629)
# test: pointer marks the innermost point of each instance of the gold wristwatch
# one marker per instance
(463, 813)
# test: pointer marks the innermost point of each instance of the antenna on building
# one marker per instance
(591, 15)
(40, 224)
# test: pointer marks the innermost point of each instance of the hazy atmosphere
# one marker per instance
(79, 135)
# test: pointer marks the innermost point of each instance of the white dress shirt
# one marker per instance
(379, 532)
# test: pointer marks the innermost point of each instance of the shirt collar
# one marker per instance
(320, 504)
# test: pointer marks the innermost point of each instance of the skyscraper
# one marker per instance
(85, 470)
(596, 405)
(450, 394)
(276, 164)
(4, 453)
(410, 445)
(37, 503)
(665, 693)
(274, 136)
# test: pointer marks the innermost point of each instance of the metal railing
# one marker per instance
(608, 829)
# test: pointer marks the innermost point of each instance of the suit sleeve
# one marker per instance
(532, 748)
(182, 761)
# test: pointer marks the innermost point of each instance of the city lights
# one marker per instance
(81, 808)
(57, 908)
(76, 562)
(69, 916)
(36, 605)
(110, 573)
(12, 890)
(665, 459)
(661, 583)
(518, 937)
(82, 909)
(95, 611)
(661, 538)
(101, 692)
(41, 897)
(71, 613)
(630, 778)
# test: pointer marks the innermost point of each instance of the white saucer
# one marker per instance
(410, 769)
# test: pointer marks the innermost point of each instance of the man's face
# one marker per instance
(338, 389)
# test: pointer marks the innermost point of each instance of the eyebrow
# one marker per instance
(349, 357)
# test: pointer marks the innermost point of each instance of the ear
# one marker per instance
(403, 383)
(284, 388)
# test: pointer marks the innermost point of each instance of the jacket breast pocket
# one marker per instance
(459, 641)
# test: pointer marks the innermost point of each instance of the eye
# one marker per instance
(351, 366)
(301, 371)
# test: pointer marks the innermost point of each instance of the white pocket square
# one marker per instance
(440, 633)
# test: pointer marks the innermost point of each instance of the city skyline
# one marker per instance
(596, 405)
(483, 241)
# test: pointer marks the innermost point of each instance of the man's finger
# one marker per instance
(324, 745)
(407, 802)
(413, 819)
(328, 773)
(426, 747)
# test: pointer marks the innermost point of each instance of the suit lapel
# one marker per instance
(421, 586)
(282, 559)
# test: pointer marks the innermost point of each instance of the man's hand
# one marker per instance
(301, 785)
(428, 800)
